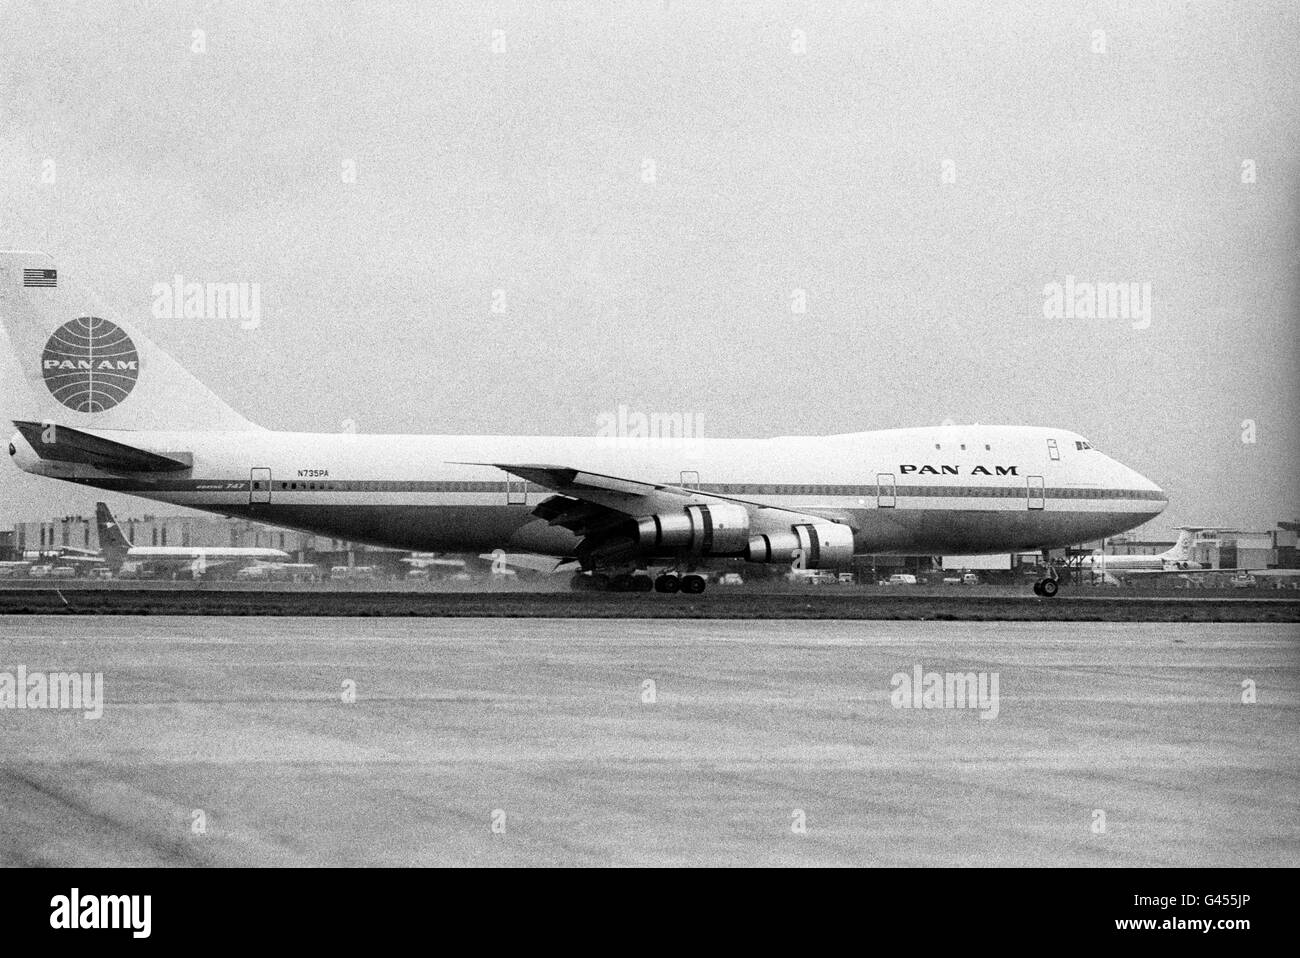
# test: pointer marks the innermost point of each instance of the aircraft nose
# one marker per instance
(1150, 492)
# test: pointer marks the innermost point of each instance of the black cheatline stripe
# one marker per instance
(336, 485)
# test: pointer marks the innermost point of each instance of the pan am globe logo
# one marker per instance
(90, 365)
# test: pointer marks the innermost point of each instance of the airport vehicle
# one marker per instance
(901, 578)
(196, 560)
(432, 566)
(1243, 580)
(279, 572)
(66, 555)
(15, 570)
(812, 576)
(53, 572)
(356, 573)
(108, 409)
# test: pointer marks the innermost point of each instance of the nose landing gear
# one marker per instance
(1047, 588)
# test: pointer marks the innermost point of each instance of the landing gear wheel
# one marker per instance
(693, 584)
(1049, 587)
(667, 583)
(642, 583)
(621, 583)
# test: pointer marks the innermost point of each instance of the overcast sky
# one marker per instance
(920, 171)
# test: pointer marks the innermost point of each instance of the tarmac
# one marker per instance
(232, 741)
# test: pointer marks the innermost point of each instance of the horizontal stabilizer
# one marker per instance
(65, 444)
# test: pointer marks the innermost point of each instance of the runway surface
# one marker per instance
(544, 727)
(829, 602)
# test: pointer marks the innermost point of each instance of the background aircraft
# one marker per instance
(118, 551)
(1177, 559)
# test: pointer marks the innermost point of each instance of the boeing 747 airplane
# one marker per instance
(110, 410)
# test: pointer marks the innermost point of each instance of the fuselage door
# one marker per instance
(259, 486)
(1035, 494)
(885, 493)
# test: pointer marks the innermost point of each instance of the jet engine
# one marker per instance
(820, 545)
(716, 529)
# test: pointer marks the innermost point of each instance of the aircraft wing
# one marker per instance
(630, 496)
(65, 444)
(591, 504)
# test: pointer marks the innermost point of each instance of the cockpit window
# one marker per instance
(1083, 445)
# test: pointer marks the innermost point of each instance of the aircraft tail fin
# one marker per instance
(83, 370)
(112, 540)
(1182, 549)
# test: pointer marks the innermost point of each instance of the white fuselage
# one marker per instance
(1117, 563)
(202, 554)
(949, 489)
(1177, 559)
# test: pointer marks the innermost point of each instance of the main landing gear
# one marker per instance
(690, 584)
(667, 583)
